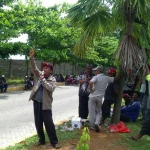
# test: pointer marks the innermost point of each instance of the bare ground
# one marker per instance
(99, 141)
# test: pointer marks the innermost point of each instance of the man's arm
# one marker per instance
(49, 85)
(130, 108)
(34, 68)
(91, 87)
(84, 81)
(138, 84)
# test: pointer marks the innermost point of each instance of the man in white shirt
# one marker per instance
(97, 88)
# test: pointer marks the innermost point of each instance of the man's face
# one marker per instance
(96, 72)
(88, 70)
(135, 97)
(47, 71)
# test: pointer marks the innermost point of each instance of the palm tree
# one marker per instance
(99, 17)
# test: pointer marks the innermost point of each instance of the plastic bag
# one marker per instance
(120, 128)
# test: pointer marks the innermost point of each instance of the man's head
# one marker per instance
(3, 76)
(98, 70)
(89, 68)
(136, 96)
(47, 68)
(111, 72)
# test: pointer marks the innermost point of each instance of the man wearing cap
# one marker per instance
(110, 95)
(97, 88)
(83, 79)
(42, 96)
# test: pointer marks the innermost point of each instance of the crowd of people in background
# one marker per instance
(93, 87)
(97, 93)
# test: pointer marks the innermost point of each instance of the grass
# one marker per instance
(62, 136)
(15, 81)
(143, 144)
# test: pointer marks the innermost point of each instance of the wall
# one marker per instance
(20, 68)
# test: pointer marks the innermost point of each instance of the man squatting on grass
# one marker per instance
(42, 96)
(145, 129)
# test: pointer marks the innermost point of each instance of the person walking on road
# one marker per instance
(42, 96)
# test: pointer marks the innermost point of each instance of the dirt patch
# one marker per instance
(99, 141)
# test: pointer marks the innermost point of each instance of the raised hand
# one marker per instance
(31, 53)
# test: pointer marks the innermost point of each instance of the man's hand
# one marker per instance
(31, 53)
(88, 79)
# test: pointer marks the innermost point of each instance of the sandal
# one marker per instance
(57, 146)
(133, 138)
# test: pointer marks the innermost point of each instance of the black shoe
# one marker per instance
(39, 143)
(97, 128)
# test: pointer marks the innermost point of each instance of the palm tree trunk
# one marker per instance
(117, 106)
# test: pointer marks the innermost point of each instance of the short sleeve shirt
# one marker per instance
(100, 83)
(83, 87)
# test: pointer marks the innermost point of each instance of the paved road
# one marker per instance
(16, 113)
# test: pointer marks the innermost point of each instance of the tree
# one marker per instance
(98, 17)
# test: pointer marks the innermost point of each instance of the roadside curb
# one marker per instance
(20, 87)
(30, 135)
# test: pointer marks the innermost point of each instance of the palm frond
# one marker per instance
(130, 56)
(100, 22)
(83, 9)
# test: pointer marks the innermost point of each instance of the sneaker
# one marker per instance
(97, 128)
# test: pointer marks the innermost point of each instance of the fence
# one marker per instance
(20, 68)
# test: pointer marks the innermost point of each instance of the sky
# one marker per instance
(24, 37)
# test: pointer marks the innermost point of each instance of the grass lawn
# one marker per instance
(143, 144)
(62, 136)
(15, 81)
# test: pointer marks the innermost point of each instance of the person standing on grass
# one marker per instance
(83, 79)
(145, 129)
(97, 88)
(110, 96)
(42, 96)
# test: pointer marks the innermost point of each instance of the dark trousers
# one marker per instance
(124, 118)
(44, 116)
(3, 87)
(106, 106)
(83, 106)
(145, 130)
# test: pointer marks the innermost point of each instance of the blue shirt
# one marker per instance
(39, 95)
(132, 111)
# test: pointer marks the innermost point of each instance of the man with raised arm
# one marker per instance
(42, 96)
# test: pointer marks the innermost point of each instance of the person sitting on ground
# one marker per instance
(131, 112)
(3, 84)
(58, 78)
(127, 99)
(61, 78)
